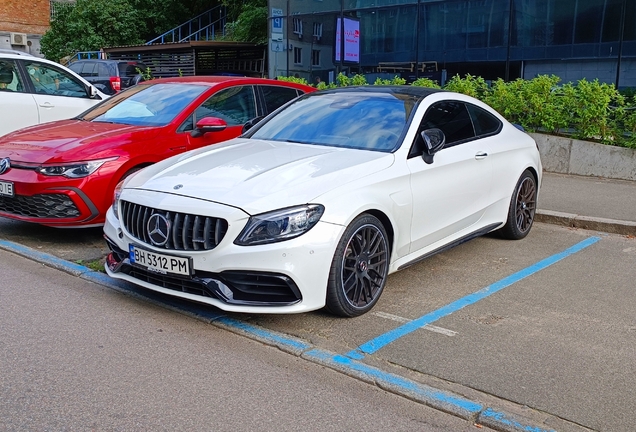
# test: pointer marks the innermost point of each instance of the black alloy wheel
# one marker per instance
(359, 268)
(522, 208)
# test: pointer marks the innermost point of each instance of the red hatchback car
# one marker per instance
(63, 173)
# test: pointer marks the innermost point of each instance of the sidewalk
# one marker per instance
(588, 202)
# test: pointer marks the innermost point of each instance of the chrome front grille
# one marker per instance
(186, 231)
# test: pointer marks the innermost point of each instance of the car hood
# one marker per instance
(68, 141)
(257, 175)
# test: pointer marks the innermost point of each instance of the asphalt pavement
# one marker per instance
(593, 203)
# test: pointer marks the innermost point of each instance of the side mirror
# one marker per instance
(251, 123)
(434, 141)
(208, 124)
(92, 92)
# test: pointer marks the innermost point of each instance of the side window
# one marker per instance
(452, 118)
(102, 70)
(52, 81)
(86, 69)
(235, 105)
(9, 78)
(484, 122)
(276, 96)
(76, 67)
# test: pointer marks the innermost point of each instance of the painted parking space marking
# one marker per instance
(442, 400)
(385, 339)
(428, 327)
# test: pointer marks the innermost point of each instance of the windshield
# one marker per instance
(357, 120)
(146, 104)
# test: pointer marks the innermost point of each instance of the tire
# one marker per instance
(523, 206)
(359, 268)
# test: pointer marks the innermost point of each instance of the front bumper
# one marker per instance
(51, 201)
(285, 277)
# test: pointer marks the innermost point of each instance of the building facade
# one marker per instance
(573, 39)
(22, 25)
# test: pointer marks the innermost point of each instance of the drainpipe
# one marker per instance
(620, 42)
(507, 75)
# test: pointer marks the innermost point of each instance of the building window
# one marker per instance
(317, 30)
(298, 26)
(298, 55)
(315, 57)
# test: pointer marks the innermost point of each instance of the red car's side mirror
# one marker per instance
(208, 124)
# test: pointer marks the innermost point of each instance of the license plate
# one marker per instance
(6, 188)
(159, 263)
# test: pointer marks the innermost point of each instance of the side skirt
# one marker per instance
(451, 245)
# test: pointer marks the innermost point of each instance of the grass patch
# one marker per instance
(95, 265)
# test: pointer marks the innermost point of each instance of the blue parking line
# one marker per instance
(438, 399)
(383, 340)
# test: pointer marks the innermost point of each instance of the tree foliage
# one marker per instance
(247, 21)
(89, 25)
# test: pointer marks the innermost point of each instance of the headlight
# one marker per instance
(116, 195)
(73, 170)
(280, 225)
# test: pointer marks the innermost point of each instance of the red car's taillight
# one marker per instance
(115, 83)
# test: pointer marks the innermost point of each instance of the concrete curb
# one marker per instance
(454, 404)
(611, 226)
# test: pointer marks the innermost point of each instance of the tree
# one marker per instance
(247, 20)
(89, 25)
(92, 24)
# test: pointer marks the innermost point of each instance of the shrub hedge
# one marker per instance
(588, 110)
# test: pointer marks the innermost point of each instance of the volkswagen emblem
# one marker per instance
(5, 164)
(158, 228)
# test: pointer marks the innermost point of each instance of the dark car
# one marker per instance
(110, 76)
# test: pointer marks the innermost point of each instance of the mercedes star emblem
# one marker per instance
(158, 229)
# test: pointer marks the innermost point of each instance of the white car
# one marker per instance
(35, 90)
(319, 202)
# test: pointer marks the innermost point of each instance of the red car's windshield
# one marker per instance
(146, 104)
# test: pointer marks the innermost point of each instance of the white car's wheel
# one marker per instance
(522, 209)
(359, 268)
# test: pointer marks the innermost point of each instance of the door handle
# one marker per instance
(481, 155)
(47, 105)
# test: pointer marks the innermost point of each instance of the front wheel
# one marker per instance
(359, 268)
(522, 208)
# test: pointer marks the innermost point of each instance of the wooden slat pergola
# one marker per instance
(196, 58)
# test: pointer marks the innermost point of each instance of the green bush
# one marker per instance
(586, 110)
(425, 82)
(594, 110)
(396, 80)
(293, 79)
(470, 85)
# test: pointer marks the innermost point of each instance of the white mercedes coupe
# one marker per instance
(315, 205)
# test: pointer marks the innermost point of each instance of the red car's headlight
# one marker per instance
(74, 169)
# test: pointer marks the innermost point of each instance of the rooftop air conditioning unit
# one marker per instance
(18, 39)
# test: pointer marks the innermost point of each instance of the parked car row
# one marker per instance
(63, 173)
(307, 199)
